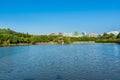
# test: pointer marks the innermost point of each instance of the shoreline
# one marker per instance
(45, 43)
(26, 44)
(20, 44)
(83, 42)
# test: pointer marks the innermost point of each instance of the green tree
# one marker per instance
(118, 36)
(67, 40)
(8, 42)
(112, 36)
(105, 36)
(0, 41)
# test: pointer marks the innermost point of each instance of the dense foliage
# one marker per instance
(109, 38)
(8, 37)
(84, 38)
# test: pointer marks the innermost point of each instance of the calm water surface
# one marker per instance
(60, 62)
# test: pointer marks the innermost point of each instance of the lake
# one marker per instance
(60, 62)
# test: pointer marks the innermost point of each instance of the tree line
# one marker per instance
(8, 36)
(109, 38)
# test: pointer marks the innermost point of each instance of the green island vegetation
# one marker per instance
(109, 38)
(9, 37)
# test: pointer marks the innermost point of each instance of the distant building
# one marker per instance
(92, 35)
(60, 33)
(52, 34)
(84, 33)
(76, 34)
(68, 34)
(113, 32)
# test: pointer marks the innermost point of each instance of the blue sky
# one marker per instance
(46, 16)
